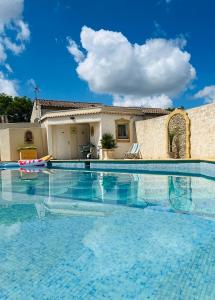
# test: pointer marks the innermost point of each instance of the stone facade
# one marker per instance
(202, 137)
(200, 134)
(177, 136)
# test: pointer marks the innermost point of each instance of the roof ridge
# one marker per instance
(65, 101)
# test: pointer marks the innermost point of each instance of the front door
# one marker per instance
(74, 143)
(62, 142)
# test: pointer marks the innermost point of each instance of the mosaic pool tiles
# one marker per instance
(129, 254)
(68, 165)
(99, 235)
(201, 168)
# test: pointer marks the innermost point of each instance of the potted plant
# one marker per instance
(108, 145)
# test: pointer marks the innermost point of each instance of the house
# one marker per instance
(70, 125)
(42, 106)
(63, 128)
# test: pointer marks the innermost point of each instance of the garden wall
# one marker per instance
(152, 134)
(152, 137)
(12, 138)
(202, 131)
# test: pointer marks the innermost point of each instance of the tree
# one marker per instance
(17, 109)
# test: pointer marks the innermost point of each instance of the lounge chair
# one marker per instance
(133, 152)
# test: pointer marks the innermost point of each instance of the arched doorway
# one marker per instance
(178, 135)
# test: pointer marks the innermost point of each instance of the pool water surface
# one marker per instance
(68, 234)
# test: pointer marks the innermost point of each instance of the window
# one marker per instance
(122, 130)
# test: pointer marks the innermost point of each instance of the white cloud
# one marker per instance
(154, 101)
(24, 32)
(10, 11)
(8, 68)
(114, 66)
(31, 82)
(158, 30)
(208, 93)
(74, 50)
(7, 86)
(14, 33)
(14, 47)
(3, 55)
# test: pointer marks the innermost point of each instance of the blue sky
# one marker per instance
(44, 56)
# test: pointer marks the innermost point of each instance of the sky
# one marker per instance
(151, 53)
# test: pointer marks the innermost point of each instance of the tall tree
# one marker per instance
(17, 109)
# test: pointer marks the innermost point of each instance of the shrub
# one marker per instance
(107, 141)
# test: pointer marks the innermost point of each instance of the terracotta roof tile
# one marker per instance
(64, 105)
(155, 111)
(144, 110)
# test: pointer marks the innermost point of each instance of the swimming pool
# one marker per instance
(77, 234)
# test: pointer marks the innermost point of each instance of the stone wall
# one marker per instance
(152, 134)
(202, 131)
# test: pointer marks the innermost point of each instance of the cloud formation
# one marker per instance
(74, 50)
(14, 33)
(148, 74)
(207, 93)
(7, 86)
(151, 101)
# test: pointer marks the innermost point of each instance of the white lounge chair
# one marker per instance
(134, 151)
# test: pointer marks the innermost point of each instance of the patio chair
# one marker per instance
(86, 150)
(134, 151)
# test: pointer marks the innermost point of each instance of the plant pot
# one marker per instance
(107, 154)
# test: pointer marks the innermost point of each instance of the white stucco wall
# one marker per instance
(108, 125)
(96, 137)
(4, 145)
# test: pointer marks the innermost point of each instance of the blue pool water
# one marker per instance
(99, 235)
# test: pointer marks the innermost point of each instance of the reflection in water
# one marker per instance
(148, 253)
(180, 193)
(17, 213)
(109, 182)
(70, 192)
